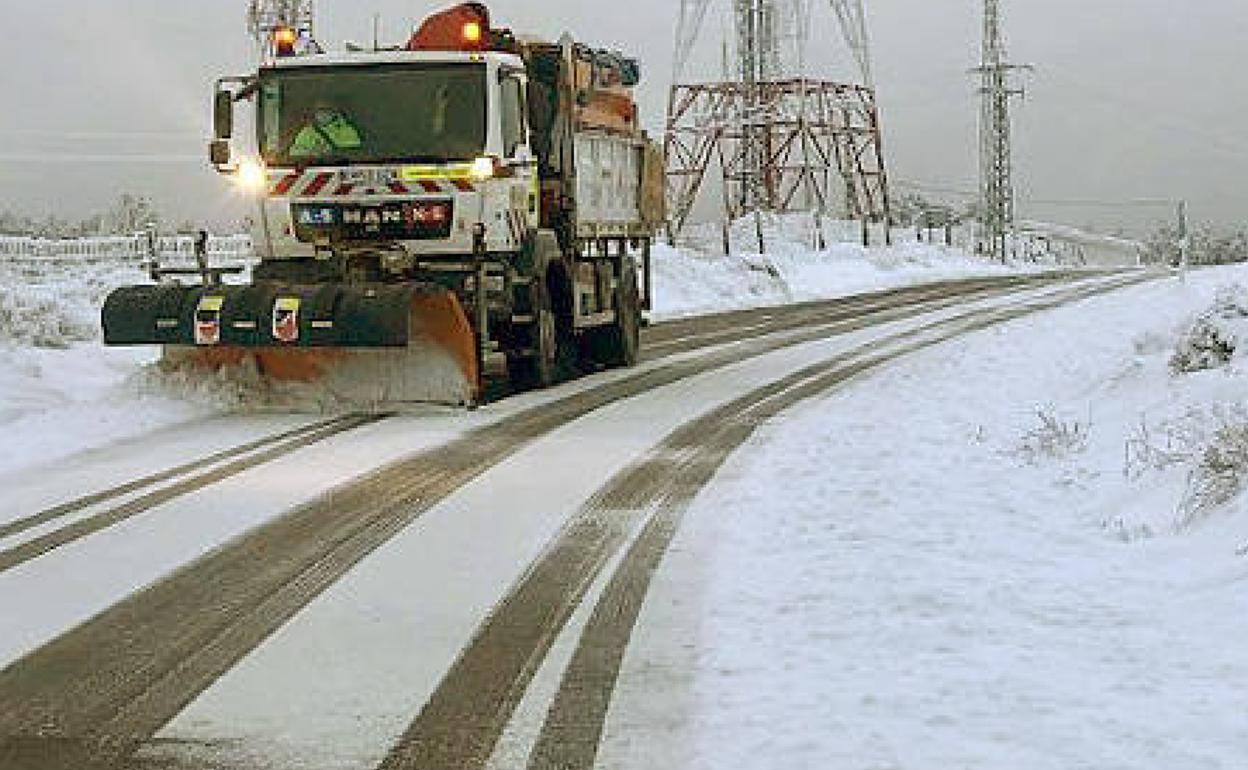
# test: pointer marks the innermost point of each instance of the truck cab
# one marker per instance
(391, 157)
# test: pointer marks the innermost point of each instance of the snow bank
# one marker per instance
(1196, 445)
(972, 561)
(54, 306)
(62, 391)
(697, 278)
(1217, 335)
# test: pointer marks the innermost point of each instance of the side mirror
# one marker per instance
(219, 153)
(223, 115)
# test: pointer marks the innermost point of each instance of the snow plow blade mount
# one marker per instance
(366, 345)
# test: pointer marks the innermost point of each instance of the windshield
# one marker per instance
(378, 114)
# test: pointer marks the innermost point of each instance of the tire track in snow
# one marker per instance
(572, 732)
(94, 695)
(250, 456)
(462, 722)
(18, 526)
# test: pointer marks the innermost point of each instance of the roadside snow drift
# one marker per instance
(60, 390)
(698, 278)
(1024, 549)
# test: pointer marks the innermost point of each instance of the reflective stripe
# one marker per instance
(287, 183)
(307, 184)
(318, 184)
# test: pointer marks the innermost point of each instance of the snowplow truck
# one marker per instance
(424, 214)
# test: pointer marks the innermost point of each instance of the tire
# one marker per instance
(550, 338)
(619, 343)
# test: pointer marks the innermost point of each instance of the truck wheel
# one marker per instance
(550, 353)
(619, 343)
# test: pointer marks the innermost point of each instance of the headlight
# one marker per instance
(251, 176)
(481, 169)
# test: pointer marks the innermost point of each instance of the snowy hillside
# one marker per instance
(1029, 553)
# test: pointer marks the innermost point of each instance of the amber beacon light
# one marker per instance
(284, 40)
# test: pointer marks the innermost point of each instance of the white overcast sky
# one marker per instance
(1130, 99)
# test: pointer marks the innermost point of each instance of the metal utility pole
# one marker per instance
(1185, 242)
(756, 49)
(780, 138)
(995, 151)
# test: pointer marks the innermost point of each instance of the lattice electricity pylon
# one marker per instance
(781, 140)
(813, 135)
(265, 16)
(996, 169)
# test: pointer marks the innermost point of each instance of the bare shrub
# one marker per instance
(1212, 339)
(43, 317)
(1054, 438)
(1222, 469)
(1148, 450)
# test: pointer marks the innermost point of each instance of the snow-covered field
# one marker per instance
(1025, 549)
(64, 392)
(60, 389)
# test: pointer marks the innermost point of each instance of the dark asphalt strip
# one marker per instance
(38, 546)
(461, 723)
(103, 688)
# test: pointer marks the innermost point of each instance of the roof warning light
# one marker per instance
(284, 40)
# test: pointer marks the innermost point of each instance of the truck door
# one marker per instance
(517, 153)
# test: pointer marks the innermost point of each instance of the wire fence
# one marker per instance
(122, 248)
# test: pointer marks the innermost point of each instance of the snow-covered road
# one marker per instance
(422, 614)
(457, 589)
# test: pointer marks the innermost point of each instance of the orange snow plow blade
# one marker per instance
(438, 364)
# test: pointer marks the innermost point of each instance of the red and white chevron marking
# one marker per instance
(327, 184)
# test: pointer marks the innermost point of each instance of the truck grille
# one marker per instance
(389, 220)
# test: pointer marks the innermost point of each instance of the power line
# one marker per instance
(60, 159)
(1126, 203)
(967, 193)
(101, 135)
(935, 188)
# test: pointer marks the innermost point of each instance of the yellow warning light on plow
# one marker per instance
(472, 32)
